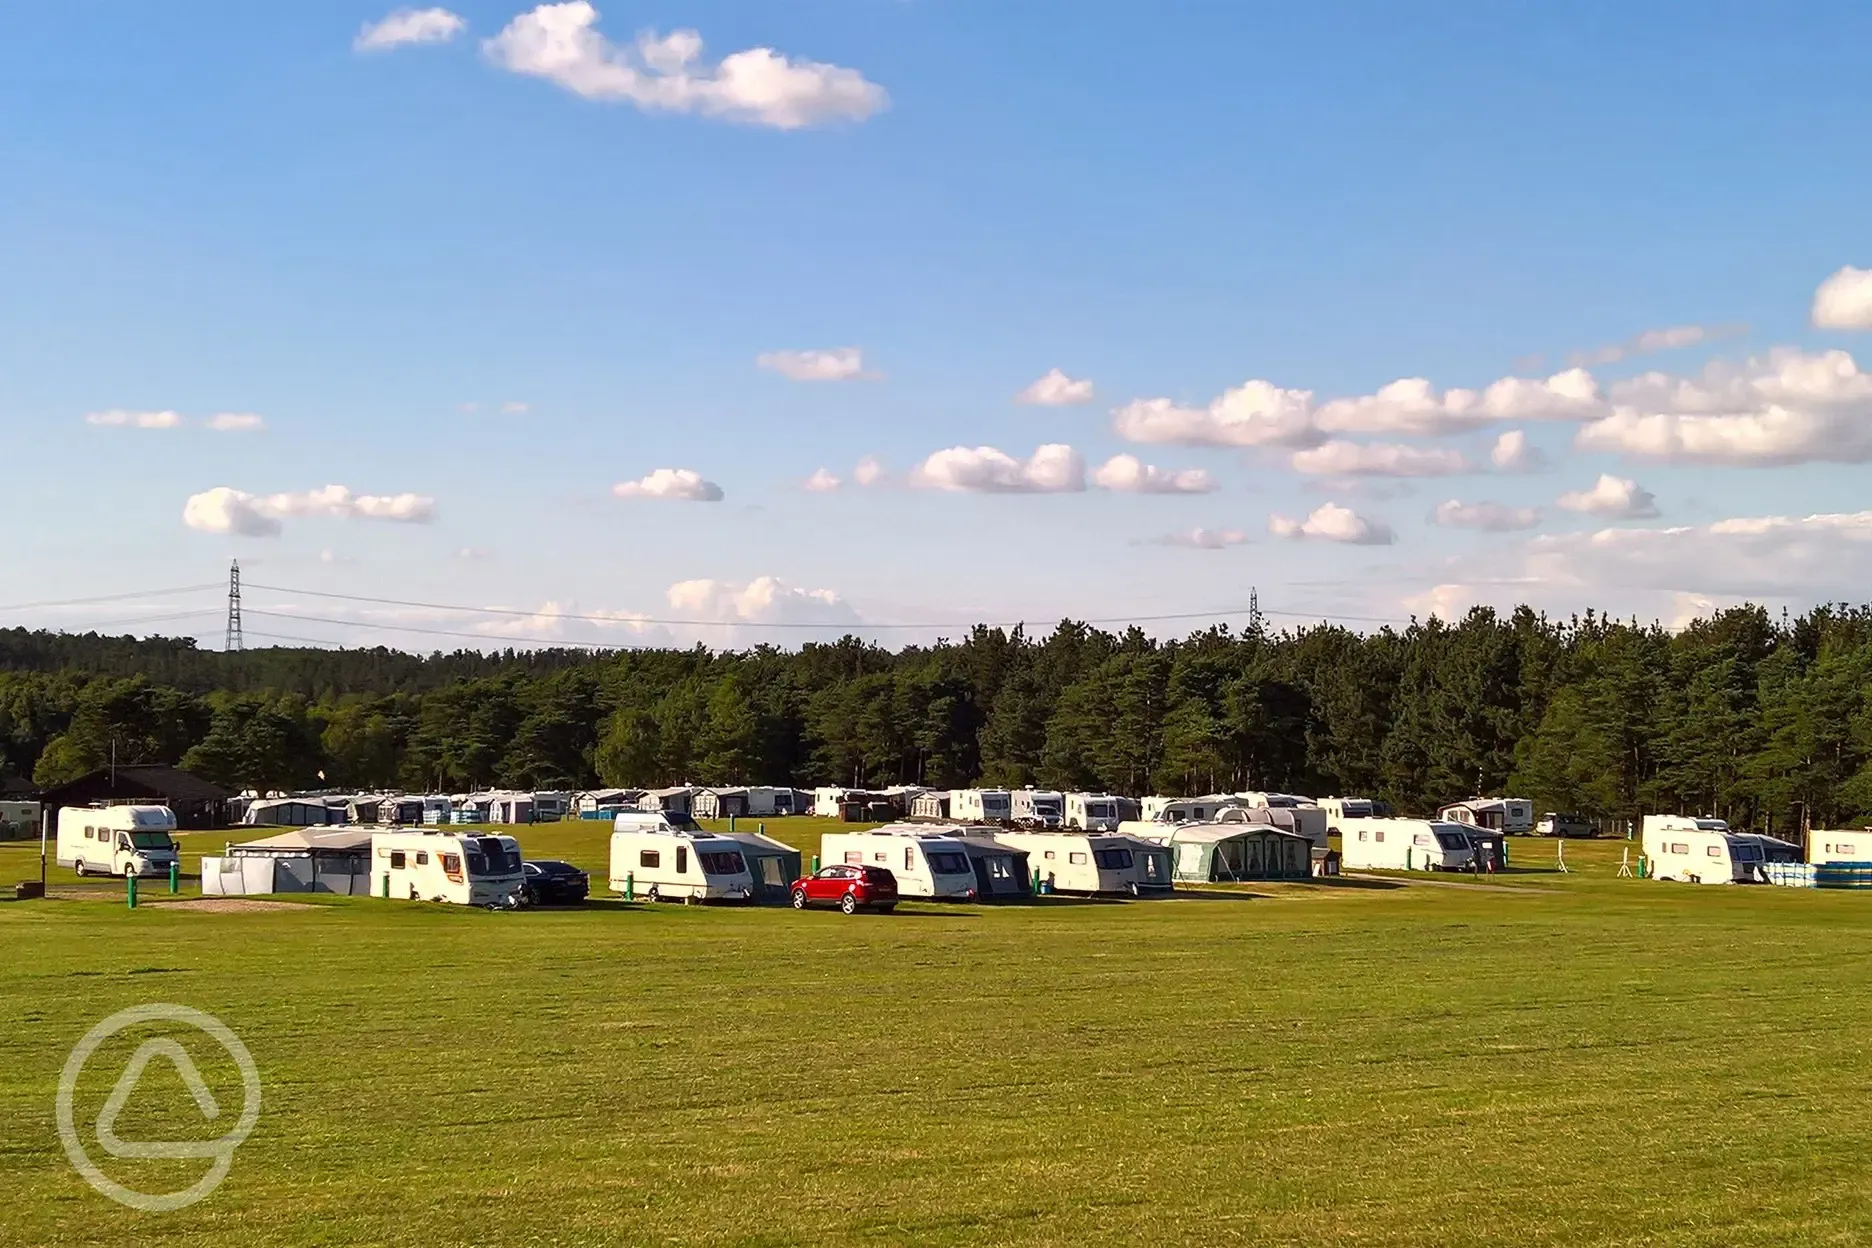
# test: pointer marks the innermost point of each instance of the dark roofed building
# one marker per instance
(197, 803)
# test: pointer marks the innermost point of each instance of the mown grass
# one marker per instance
(1563, 1060)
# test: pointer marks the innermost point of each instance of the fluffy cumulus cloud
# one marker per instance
(1671, 338)
(666, 73)
(227, 510)
(1056, 389)
(1378, 459)
(1490, 517)
(1129, 475)
(120, 418)
(1052, 469)
(869, 471)
(1787, 407)
(1413, 406)
(837, 364)
(1613, 497)
(1332, 523)
(407, 26)
(681, 484)
(1256, 413)
(1844, 301)
(236, 422)
(764, 600)
(1513, 452)
(824, 481)
(1204, 539)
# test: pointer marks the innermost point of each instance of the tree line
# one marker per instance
(1758, 719)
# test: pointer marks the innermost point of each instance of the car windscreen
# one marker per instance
(948, 862)
(1114, 859)
(723, 863)
(146, 839)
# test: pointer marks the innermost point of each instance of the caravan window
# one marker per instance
(1114, 859)
(880, 856)
(1379, 834)
(1714, 851)
(396, 860)
(1363, 834)
(852, 855)
(1077, 860)
(1677, 847)
(1449, 840)
(949, 863)
(1423, 838)
(909, 857)
(651, 858)
(1049, 855)
(422, 857)
(682, 860)
(721, 863)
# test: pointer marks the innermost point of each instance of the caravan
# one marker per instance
(1104, 864)
(440, 866)
(668, 863)
(1707, 851)
(928, 863)
(1830, 846)
(1185, 809)
(1511, 816)
(1405, 845)
(117, 840)
(982, 805)
(1309, 818)
(1093, 812)
(1036, 808)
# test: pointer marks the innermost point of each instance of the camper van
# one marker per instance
(117, 840)
(666, 863)
(927, 861)
(1037, 808)
(1108, 864)
(1404, 845)
(982, 805)
(443, 866)
(1511, 816)
(1309, 818)
(1707, 851)
(1093, 812)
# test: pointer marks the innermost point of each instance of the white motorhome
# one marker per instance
(444, 866)
(1108, 864)
(928, 862)
(1037, 808)
(1708, 851)
(1404, 845)
(1093, 812)
(981, 805)
(662, 862)
(1511, 816)
(1309, 817)
(117, 840)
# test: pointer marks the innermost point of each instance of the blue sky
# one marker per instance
(237, 209)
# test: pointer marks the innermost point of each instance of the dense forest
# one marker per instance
(1742, 715)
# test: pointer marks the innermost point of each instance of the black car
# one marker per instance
(550, 882)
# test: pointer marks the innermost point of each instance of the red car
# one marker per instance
(851, 889)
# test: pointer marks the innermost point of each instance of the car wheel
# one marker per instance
(799, 899)
(849, 903)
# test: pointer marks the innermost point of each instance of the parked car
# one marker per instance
(549, 882)
(1552, 824)
(851, 889)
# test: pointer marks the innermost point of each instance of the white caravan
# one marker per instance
(1037, 808)
(1097, 863)
(1093, 812)
(1511, 816)
(443, 866)
(1309, 817)
(1828, 846)
(927, 862)
(981, 805)
(1404, 845)
(660, 862)
(117, 840)
(1707, 851)
(1184, 809)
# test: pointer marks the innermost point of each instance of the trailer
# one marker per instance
(1825, 846)
(665, 863)
(1511, 816)
(1095, 863)
(927, 862)
(1093, 812)
(463, 870)
(1405, 845)
(1037, 808)
(981, 805)
(117, 840)
(1708, 851)
(1185, 809)
(1309, 817)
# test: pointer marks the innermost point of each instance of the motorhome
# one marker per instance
(661, 862)
(1511, 816)
(1093, 812)
(1708, 851)
(1828, 846)
(981, 805)
(464, 870)
(1309, 817)
(1037, 808)
(927, 861)
(1109, 864)
(1404, 845)
(117, 840)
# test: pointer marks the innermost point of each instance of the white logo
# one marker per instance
(221, 1150)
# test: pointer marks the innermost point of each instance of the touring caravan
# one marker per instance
(1824, 846)
(1093, 812)
(1106, 864)
(1184, 809)
(1037, 808)
(117, 840)
(927, 862)
(1338, 808)
(441, 866)
(1309, 818)
(1511, 816)
(664, 863)
(981, 805)
(1404, 845)
(1707, 851)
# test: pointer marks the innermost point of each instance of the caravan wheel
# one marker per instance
(688, 899)
(79, 867)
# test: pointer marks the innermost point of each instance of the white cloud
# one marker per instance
(1126, 473)
(1204, 539)
(406, 26)
(1817, 558)
(671, 483)
(764, 600)
(869, 471)
(823, 482)
(1413, 406)
(514, 407)
(117, 417)
(1256, 413)
(1844, 301)
(1490, 517)
(1445, 602)
(1056, 389)
(837, 364)
(1514, 453)
(225, 510)
(236, 422)
(1671, 338)
(664, 73)
(1611, 496)
(1052, 469)
(1332, 523)
(1788, 407)
(1378, 459)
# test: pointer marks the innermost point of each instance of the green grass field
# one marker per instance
(1549, 1060)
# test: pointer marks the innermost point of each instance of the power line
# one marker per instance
(433, 632)
(85, 602)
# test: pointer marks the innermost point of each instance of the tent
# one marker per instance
(308, 860)
(1213, 853)
(773, 865)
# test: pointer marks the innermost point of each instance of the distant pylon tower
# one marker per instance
(234, 640)
(1254, 610)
